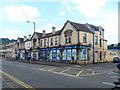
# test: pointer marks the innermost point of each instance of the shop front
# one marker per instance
(54, 54)
(34, 54)
(28, 54)
(22, 54)
(69, 53)
(84, 53)
(44, 54)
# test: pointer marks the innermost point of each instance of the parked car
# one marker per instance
(116, 59)
(118, 66)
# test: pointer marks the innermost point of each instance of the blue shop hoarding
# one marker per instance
(84, 53)
(68, 52)
(54, 54)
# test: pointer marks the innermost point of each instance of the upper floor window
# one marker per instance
(56, 40)
(84, 38)
(68, 38)
(100, 42)
(96, 40)
(40, 42)
(51, 41)
(44, 42)
(100, 32)
(34, 42)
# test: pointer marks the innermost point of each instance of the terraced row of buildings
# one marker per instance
(80, 43)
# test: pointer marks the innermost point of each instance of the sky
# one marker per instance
(48, 13)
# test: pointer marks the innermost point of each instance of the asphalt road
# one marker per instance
(76, 76)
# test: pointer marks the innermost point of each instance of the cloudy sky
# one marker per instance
(48, 13)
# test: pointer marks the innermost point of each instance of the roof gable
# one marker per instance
(77, 26)
(39, 35)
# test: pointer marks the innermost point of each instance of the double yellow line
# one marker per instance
(18, 81)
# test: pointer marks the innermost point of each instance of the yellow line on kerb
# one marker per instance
(18, 81)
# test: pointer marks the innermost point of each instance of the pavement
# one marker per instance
(62, 76)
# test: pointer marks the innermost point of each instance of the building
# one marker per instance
(74, 40)
(79, 43)
(8, 50)
(20, 50)
(35, 41)
(28, 48)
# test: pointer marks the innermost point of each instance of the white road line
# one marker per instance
(78, 74)
(64, 70)
(42, 69)
(108, 83)
(51, 69)
(93, 73)
(21, 66)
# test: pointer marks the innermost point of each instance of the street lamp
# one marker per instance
(33, 24)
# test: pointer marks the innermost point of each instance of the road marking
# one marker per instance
(108, 83)
(64, 70)
(42, 69)
(78, 74)
(90, 74)
(21, 66)
(93, 72)
(17, 81)
(65, 74)
(51, 69)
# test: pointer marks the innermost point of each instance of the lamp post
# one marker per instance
(33, 24)
(34, 32)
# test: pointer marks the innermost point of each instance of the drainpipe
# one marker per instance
(93, 48)
(78, 47)
(60, 50)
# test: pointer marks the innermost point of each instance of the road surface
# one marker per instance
(76, 76)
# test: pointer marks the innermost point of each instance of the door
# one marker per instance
(96, 56)
(54, 55)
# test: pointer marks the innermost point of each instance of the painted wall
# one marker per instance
(74, 38)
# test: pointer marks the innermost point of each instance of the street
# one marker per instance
(74, 76)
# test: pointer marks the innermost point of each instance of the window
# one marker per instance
(84, 38)
(68, 38)
(100, 55)
(56, 40)
(100, 42)
(84, 54)
(44, 42)
(96, 40)
(41, 43)
(51, 41)
(100, 32)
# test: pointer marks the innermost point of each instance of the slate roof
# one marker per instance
(21, 39)
(39, 35)
(83, 27)
(51, 34)
(80, 27)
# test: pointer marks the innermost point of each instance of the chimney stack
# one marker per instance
(29, 36)
(43, 33)
(25, 38)
(53, 29)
